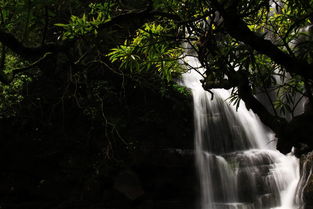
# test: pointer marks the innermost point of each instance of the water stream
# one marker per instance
(238, 165)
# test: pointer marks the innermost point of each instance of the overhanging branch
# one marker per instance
(239, 30)
(28, 53)
(240, 80)
(276, 123)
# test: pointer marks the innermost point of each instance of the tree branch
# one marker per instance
(32, 65)
(45, 29)
(240, 80)
(239, 30)
(30, 53)
(276, 123)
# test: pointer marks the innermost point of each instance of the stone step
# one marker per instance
(233, 205)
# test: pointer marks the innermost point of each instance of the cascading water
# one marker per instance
(238, 165)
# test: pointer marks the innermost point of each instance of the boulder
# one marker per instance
(305, 187)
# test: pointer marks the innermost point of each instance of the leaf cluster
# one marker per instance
(150, 49)
(87, 23)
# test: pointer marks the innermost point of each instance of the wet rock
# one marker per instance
(268, 201)
(237, 205)
(168, 178)
(305, 186)
(128, 183)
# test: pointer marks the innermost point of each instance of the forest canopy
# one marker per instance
(260, 49)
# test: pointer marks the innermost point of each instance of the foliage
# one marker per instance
(285, 23)
(84, 82)
(288, 95)
(79, 26)
(149, 50)
(252, 47)
(12, 95)
(70, 119)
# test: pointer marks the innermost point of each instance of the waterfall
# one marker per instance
(238, 165)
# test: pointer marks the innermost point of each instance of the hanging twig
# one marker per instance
(45, 29)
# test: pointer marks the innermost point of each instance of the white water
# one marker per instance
(238, 165)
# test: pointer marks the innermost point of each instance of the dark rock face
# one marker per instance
(256, 184)
(298, 133)
(168, 178)
(305, 186)
(59, 158)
